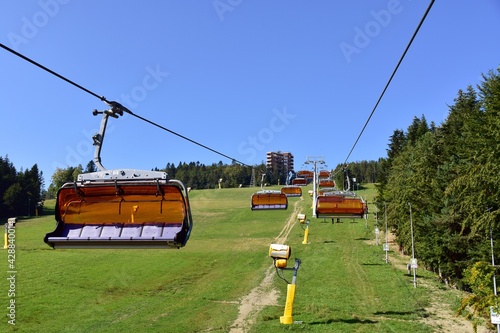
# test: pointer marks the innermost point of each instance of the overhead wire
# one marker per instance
(390, 79)
(111, 103)
(102, 98)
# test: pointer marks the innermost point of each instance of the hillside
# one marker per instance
(223, 280)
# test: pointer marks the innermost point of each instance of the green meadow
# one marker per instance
(343, 283)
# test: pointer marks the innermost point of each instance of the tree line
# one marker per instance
(449, 176)
(359, 172)
(21, 192)
(197, 175)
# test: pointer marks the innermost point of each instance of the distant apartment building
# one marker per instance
(282, 162)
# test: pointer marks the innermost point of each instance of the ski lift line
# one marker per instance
(188, 139)
(390, 79)
(52, 72)
(117, 105)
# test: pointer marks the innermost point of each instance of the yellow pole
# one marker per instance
(290, 295)
(306, 236)
(5, 240)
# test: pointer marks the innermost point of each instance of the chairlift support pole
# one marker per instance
(413, 250)
(494, 270)
(116, 110)
(314, 161)
(386, 235)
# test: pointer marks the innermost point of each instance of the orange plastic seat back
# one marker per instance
(132, 204)
(291, 191)
(326, 183)
(299, 181)
(269, 200)
(339, 206)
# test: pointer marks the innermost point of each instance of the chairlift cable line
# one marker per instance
(390, 79)
(188, 139)
(52, 72)
(102, 98)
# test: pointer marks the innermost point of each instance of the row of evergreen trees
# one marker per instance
(450, 176)
(20, 191)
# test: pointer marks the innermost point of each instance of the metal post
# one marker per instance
(413, 250)
(315, 192)
(494, 270)
(386, 235)
(314, 161)
(287, 317)
(366, 214)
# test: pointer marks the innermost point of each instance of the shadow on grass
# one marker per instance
(418, 312)
(345, 321)
(328, 241)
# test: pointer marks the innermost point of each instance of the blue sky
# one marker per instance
(242, 77)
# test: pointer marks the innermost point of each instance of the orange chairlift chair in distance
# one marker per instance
(341, 204)
(324, 174)
(299, 181)
(326, 182)
(123, 208)
(268, 199)
(291, 190)
(308, 175)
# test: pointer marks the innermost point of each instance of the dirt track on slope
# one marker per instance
(264, 294)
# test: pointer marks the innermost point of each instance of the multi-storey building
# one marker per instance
(282, 162)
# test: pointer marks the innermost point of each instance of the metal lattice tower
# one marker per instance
(252, 180)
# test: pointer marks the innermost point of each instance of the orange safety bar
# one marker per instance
(340, 206)
(269, 200)
(291, 191)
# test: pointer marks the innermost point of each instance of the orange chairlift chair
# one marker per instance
(341, 204)
(326, 182)
(324, 174)
(299, 181)
(291, 190)
(307, 174)
(268, 199)
(122, 208)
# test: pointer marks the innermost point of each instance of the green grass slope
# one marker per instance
(343, 284)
